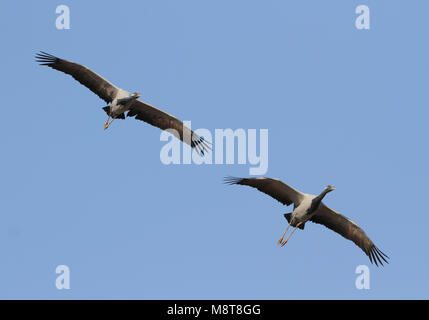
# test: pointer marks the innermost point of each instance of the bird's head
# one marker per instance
(136, 95)
(330, 188)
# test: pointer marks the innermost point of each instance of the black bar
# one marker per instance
(211, 309)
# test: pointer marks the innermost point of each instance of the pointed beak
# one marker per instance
(106, 125)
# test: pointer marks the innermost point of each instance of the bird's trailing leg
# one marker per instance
(296, 227)
(281, 239)
(107, 124)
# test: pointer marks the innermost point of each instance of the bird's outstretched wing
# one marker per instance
(273, 187)
(93, 81)
(349, 230)
(158, 118)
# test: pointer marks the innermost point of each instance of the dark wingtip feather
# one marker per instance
(377, 256)
(369, 256)
(201, 145)
(205, 141)
(45, 59)
(382, 255)
(374, 257)
(231, 180)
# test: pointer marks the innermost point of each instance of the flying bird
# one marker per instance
(120, 101)
(308, 207)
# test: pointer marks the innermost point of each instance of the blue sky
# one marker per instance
(343, 106)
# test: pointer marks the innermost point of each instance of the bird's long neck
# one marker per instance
(317, 200)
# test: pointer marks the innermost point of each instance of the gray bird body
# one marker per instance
(122, 101)
(308, 207)
(303, 212)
